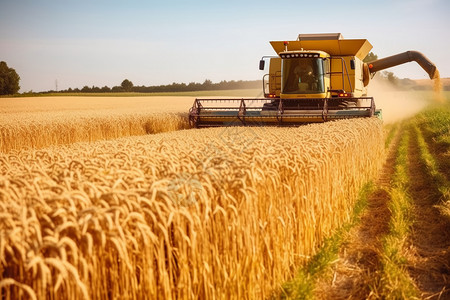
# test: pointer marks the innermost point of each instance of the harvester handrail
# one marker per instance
(343, 65)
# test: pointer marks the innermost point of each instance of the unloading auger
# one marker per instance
(317, 78)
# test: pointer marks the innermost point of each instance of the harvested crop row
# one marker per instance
(212, 213)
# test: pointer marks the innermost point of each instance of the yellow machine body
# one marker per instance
(343, 65)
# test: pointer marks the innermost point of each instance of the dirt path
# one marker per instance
(357, 267)
(429, 253)
(428, 247)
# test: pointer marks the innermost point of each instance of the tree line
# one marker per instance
(128, 86)
(9, 85)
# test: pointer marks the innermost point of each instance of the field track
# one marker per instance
(429, 254)
(358, 271)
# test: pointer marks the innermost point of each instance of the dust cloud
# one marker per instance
(396, 104)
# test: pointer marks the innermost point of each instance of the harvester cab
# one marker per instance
(316, 78)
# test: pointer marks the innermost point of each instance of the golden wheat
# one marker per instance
(212, 213)
(42, 122)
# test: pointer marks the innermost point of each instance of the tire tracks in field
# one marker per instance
(356, 271)
(429, 242)
(439, 151)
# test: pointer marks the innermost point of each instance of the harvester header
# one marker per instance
(316, 78)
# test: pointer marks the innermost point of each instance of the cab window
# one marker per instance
(303, 76)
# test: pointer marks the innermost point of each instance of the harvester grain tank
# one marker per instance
(316, 78)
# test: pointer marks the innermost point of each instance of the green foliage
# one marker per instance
(391, 77)
(436, 121)
(432, 167)
(9, 80)
(127, 85)
(370, 57)
(395, 281)
(432, 127)
(391, 130)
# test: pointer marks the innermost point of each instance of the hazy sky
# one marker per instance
(99, 42)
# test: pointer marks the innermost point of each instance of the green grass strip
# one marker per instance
(431, 165)
(392, 130)
(395, 282)
(302, 286)
(435, 121)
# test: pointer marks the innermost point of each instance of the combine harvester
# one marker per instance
(317, 78)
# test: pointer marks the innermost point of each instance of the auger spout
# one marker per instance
(398, 59)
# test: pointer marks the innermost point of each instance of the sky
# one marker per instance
(73, 43)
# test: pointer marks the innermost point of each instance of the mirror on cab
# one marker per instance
(262, 64)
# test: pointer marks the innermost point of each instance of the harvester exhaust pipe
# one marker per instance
(402, 58)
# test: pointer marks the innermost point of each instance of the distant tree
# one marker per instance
(370, 57)
(116, 89)
(193, 86)
(207, 85)
(391, 77)
(127, 85)
(9, 80)
(95, 89)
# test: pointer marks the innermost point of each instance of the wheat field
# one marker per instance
(46, 121)
(226, 213)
